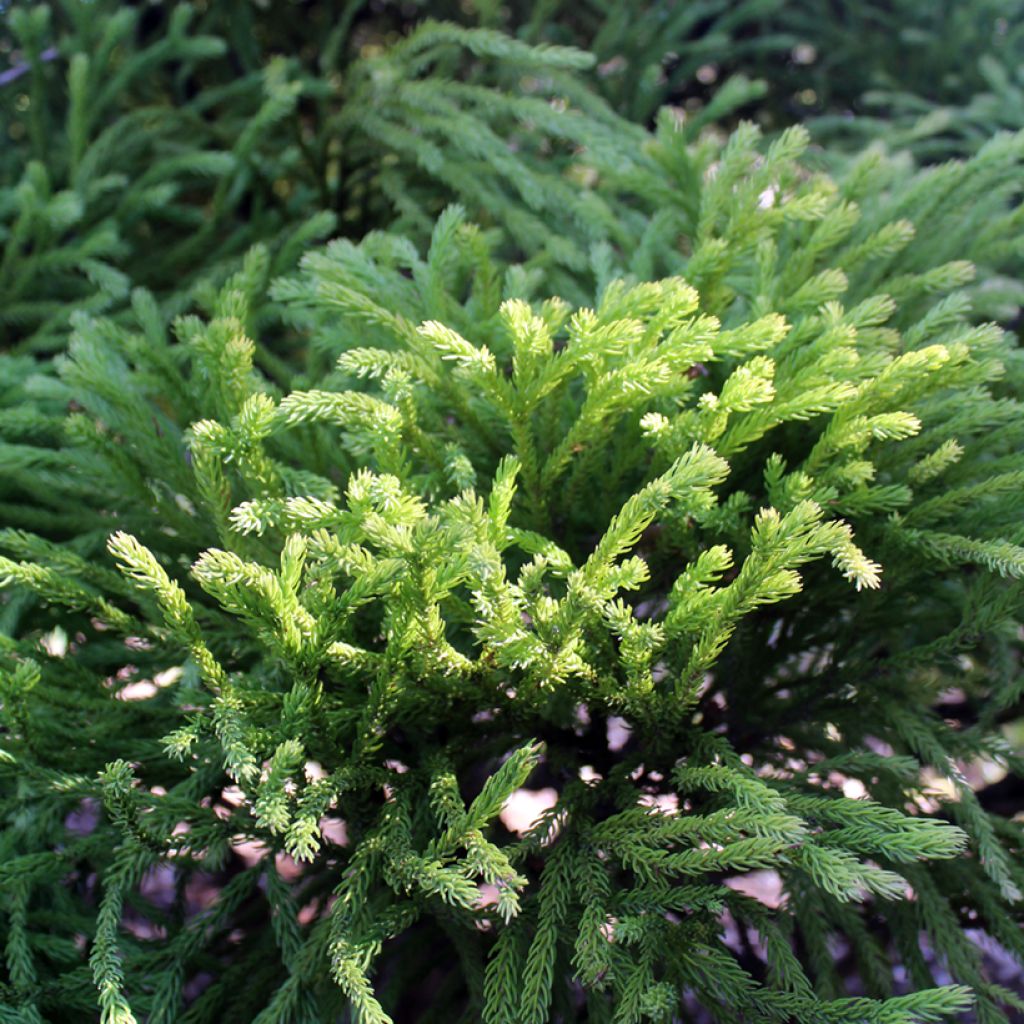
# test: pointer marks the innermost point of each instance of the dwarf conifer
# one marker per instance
(665, 483)
(701, 565)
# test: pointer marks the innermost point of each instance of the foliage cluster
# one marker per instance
(608, 454)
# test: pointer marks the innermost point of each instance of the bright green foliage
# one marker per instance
(701, 555)
(747, 225)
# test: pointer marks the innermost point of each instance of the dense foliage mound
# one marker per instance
(587, 588)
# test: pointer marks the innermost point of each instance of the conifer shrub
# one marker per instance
(152, 146)
(109, 157)
(680, 54)
(932, 48)
(934, 130)
(938, 79)
(935, 78)
(730, 214)
(721, 561)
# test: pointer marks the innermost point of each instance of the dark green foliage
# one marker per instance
(932, 49)
(110, 155)
(938, 79)
(671, 54)
(141, 155)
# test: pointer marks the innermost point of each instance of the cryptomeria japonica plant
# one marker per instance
(728, 564)
(153, 144)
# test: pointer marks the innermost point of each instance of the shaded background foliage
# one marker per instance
(184, 132)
